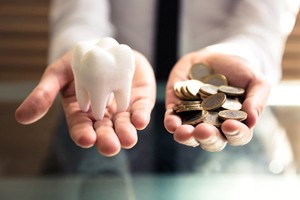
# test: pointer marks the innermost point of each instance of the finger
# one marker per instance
(255, 101)
(143, 93)
(141, 112)
(237, 133)
(36, 105)
(171, 121)
(178, 73)
(184, 135)
(126, 132)
(107, 142)
(80, 124)
(209, 137)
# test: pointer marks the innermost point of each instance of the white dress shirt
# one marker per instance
(253, 29)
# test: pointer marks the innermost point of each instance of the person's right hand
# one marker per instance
(115, 130)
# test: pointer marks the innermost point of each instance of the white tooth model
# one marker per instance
(102, 68)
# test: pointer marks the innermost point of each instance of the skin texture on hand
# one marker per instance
(239, 74)
(116, 130)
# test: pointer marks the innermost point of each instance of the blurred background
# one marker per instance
(23, 57)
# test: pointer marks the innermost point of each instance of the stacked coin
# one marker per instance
(206, 97)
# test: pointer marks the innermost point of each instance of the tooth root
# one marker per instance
(99, 101)
(82, 98)
(124, 57)
(110, 99)
(122, 98)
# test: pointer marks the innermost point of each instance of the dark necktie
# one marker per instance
(165, 57)
(166, 37)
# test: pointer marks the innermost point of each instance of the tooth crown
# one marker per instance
(100, 68)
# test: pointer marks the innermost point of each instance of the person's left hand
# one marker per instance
(239, 73)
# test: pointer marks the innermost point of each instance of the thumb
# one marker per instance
(34, 107)
(37, 104)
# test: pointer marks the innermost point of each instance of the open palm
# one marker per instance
(239, 74)
(116, 130)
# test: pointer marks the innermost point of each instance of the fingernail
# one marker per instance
(192, 142)
(213, 144)
(232, 133)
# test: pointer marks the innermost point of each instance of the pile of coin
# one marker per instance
(207, 98)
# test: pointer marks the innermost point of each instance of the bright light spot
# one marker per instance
(276, 167)
(287, 22)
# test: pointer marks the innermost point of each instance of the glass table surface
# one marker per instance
(149, 187)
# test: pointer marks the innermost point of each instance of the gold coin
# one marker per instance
(214, 101)
(212, 118)
(203, 96)
(177, 89)
(190, 102)
(194, 117)
(186, 94)
(233, 114)
(199, 70)
(208, 89)
(176, 107)
(215, 79)
(213, 89)
(185, 108)
(193, 87)
(232, 104)
(231, 91)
